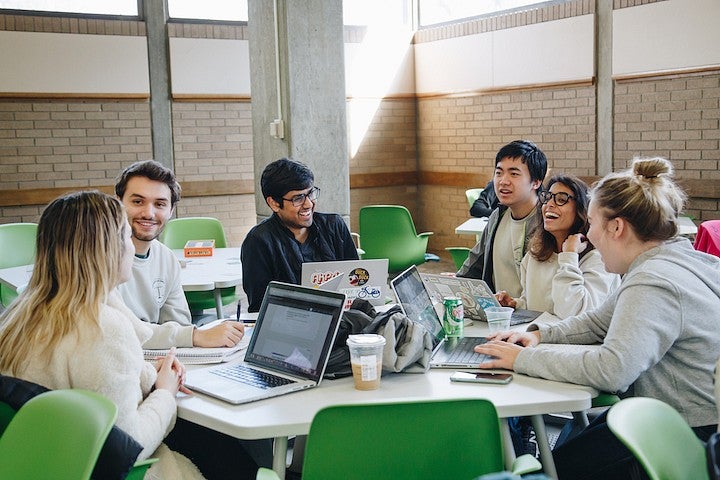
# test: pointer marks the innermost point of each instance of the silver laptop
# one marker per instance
(288, 350)
(475, 295)
(415, 302)
(355, 278)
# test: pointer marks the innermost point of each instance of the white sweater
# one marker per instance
(564, 284)
(155, 295)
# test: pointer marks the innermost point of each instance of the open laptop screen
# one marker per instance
(295, 330)
(415, 301)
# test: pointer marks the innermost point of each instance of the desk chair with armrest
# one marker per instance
(176, 234)
(22, 389)
(459, 255)
(660, 439)
(419, 440)
(388, 231)
(473, 194)
(57, 434)
(17, 247)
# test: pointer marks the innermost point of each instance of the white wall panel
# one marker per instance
(666, 35)
(538, 53)
(61, 63)
(210, 66)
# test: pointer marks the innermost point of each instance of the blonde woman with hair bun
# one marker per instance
(658, 332)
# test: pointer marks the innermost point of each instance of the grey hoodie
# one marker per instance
(660, 334)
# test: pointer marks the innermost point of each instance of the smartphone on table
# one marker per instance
(481, 377)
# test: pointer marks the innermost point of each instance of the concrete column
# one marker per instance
(297, 74)
(159, 71)
(604, 100)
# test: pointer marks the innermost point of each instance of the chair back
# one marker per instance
(459, 255)
(388, 231)
(418, 440)
(659, 437)
(176, 234)
(473, 194)
(17, 244)
(708, 237)
(57, 434)
(179, 230)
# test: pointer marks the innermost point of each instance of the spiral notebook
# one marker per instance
(201, 355)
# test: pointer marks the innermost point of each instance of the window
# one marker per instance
(90, 7)
(395, 13)
(222, 10)
(432, 12)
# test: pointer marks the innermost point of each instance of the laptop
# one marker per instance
(355, 278)
(475, 295)
(415, 302)
(288, 350)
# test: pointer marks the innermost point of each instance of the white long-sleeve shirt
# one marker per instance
(564, 284)
(155, 295)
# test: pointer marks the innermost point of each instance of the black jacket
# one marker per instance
(270, 252)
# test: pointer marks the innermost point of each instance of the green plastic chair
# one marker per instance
(7, 413)
(17, 247)
(473, 194)
(388, 231)
(459, 255)
(458, 439)
(177, 232)
(660, 439)
(57, 434)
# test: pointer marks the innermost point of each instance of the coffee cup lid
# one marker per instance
(366, 340)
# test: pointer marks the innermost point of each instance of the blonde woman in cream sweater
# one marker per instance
(70, 329)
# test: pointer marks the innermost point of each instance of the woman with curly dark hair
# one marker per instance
(562, 273)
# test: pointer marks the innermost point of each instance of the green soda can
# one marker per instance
(453, 318)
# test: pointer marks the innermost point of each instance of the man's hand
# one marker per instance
(226, 334)
(505, 299)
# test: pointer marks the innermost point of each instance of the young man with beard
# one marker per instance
(149, 192)
(520, 167)
(276, 248)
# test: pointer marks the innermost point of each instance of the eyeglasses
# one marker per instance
(298, 200)
(560, 198)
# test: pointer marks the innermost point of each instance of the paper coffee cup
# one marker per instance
(366, 352)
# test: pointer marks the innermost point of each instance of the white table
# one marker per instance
(475, 226)
(472, 226)
(201, 274)
(289, 415)
(15, 277)
(686, 227)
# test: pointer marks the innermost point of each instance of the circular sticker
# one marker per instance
(358, 277)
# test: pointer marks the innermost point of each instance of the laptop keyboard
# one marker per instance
(249, 376)
(463, 352)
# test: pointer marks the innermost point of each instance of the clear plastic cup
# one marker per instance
(498, 318)
(366, 352)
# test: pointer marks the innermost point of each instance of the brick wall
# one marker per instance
(676, 118)
(61, 144)
(389, 145)
(213, 141)
(463, 134)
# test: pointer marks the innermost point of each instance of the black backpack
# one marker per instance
(360, 318)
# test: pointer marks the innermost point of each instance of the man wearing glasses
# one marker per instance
(276, 248)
